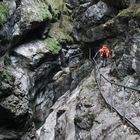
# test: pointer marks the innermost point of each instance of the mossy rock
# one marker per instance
(7, 82)
(6, 76)
(62, 30)
(58, 6)
(44, 13)
(36, 11)
(53, 45)
(133, 11)
(4, 11)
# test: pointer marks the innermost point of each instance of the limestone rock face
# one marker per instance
(94, 15)
(42, 77)
(44, 46)
(135, 50)
(31, 17)
(40, 65)
(120, 4)
(126, 51)
(33, 51)
(23, 17)
(82, 115)
(91, 23)
(16, 114)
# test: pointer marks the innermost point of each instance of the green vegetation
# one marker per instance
(37, 11)
(132, 11)
(62, 33)
(44, 12)
(3, 13)
(137, 12)
(53, 45)
(125, 12)
(6, 76)
(56, 6)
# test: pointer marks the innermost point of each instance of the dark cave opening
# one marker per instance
(9, 121)
(90, 49)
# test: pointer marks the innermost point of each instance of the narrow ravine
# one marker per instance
(47, 83)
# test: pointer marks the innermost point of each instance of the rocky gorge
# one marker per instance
(48, 89)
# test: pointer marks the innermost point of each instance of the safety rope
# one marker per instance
(99, 76)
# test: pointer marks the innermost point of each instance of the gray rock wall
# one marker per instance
(38, 50)
(38, 44)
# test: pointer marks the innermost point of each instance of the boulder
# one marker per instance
(49, 87)
(94, 15)
(81, 114)
(62, 30)
(120, 4)
(14, 106)
(135, 52)
(27, 16)
(110, 29)
(33, 53)
(124, 67)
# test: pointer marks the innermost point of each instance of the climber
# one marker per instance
(104, 53)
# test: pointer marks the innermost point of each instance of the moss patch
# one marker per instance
(137, 11)
(57, 6)
(62, 30)
(53, 45)
(3, 13)
(44, 11)
(7, 82)
(35, 11)
(6, 76)
(44, 14)
(133, 11)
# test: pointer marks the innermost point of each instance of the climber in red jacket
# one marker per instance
(104, 53)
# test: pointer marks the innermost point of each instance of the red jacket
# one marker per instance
(104, 50)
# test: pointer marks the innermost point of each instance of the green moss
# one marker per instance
(58, 6)
(55, 6)
(3, 13)
(62, 30)
(125, 12)
(133, 11)
(6, 76)
(53, 45)
(37, 11)
(137, 12)
(44, 12)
